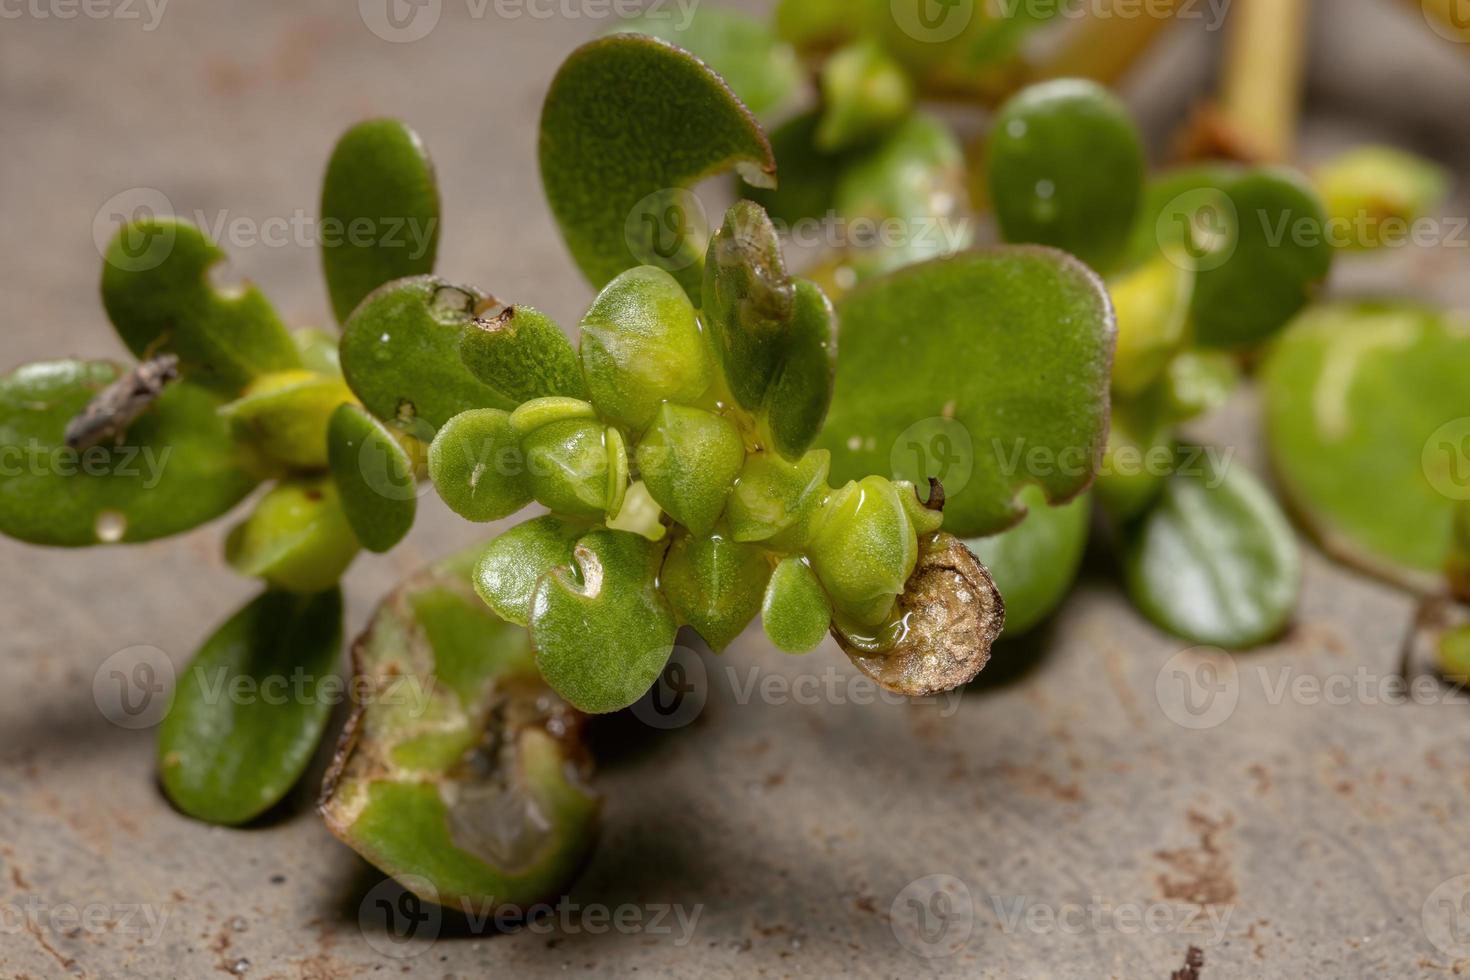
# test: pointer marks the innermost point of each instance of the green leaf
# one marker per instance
(297, 538)
(380, 211)
(248, 714)
(463, 774)
(1004, 352)
(512, 564)
(759, 68)
(400, 354)
(1365, 413)
(156, 290)
(774, 499)
(603, 630)
(374, 477)
(284, 415)
(174, 469)
(689, 459)
(795, 611)
(865, 93)
(629, 124)
(1035, 562)
(523, 354)
(1367, 187)
(863, 548)
(641, 346)
(1066, 169)
(715, 585)
(800, 394)
(577, 468)
(1198, 382)
(1152, 306)
(478, 467)
(1214, 561)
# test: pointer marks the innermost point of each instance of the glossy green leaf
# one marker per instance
(400, 354)
(174, 469)
(540, 412)
(775, 498)
(380, 211)
(1214, 561)
(865, 93)
(297, 538)
(641, 345)
(577, 468)
(1066, 169)
(603, 630)
(1035, 563)
(863, 548)
(463, 775)
(1005, 353)
(1366, 409)
(522, 353)
(249, 712)
(715, 585)
(478, 467)
(628, 125)
(512, 564)
(285, 415)
(795, 611)
(689, 460)
(157, 292)
(374, 477)
(1372, 194)
(800, 394)
(762, 70)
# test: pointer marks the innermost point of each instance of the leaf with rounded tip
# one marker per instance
(297, 538)
(774, 498)
(1006, 351)
(1366, 412)
(400, 354)
(175, 468)
(715, 585)
(865, 93)
(689, 460)
(156, 290)
(380, 200)
(1066, 169)
(631, 122)
(522, 353)
(285, 414)
(761, 69)
(512, 564)
(477, 466)
(538, 412)
(603, 630)
(462, 775)
(749, 301)
(1035, 562)
(800, 394)
(795, 611)
(1214, 561)
(374, 477)
(577, 468)
(226, 758)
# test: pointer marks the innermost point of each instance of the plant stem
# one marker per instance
(1261, 97)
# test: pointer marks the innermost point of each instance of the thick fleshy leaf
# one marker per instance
(749, 301)
(577, 468)
(865, 93)
(400, 354)
(631, 122)
(175, 468)
(641, 345)
(761, 69)
(512, 564)
(374, 476)
(1005, 352)
(157, 292)
(863, 549)
(459, 773)
(1366, 409)
(1035, 562)
(285, 415)
(297, 538)
(249, 712)
(603, 630)
(1369, 189)
(795, 611)
(522, 353)
(380, 212)
(689, 460)
(1066, 169)
(478, 467)
(715, 585)
(1152, 306)
(1214, 561)
(800, 394)
(774, 499)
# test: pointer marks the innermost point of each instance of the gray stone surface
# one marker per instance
(1299, 836)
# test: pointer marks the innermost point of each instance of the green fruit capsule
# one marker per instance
(715, 585)
(522, 353)
(477, 466)
(864, 548)
(285, 414)
(572, 466)
(774, 498)
(512, 564)
(795, 610)
(641, 346)
(689, 460)
(297, 538)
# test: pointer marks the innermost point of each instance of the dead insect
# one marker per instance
(114, 408)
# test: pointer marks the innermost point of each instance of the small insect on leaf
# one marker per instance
(108, 415)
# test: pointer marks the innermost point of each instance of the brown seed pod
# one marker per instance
(949, 615)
